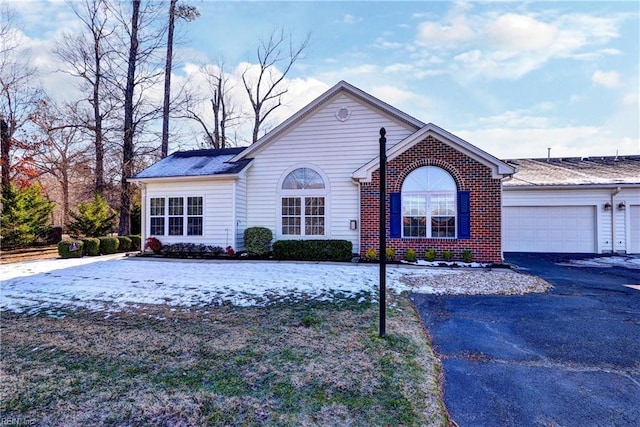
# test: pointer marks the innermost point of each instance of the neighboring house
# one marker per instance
(316, 176)
(573, 205)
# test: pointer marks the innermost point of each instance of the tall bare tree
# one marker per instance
(266, 86)
(62, 155)
(188, 13)
(199, 105)
(88, 54)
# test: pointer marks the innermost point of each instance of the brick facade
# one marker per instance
(469, 174)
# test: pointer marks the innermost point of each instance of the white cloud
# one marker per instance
(609, 79)
(512, 32)
(350, 19)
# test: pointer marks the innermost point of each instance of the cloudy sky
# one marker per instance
(513, 78)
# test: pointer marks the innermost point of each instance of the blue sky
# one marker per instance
(513, 78)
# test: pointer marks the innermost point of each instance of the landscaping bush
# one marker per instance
(430, 255)
(192, 250)
(70, 249)
(26, 213)
(93, 219)
(371, 254)
(411, 255)
(467, 255)
(91, 246)
(154, 244)
(447, 255)
(313, 250)
(136, 242)
(124, 244)
(257, 240)
(391, 253)
(109, 245)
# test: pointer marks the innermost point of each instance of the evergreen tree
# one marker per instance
(93, 219)
(26, 216)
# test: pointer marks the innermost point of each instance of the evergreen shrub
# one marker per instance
(108, 245)
(70, 249)
(91, 246)
(257, 240)
(124, 244)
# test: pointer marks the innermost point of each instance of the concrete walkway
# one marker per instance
(570, 357)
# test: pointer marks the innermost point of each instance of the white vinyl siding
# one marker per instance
(334, 147)
(569, 220)
(634, 232)
(218, 220)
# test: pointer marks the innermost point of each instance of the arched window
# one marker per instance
(429, 204)
(303, 203)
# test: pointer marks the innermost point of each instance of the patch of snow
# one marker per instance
(606, 262)
(115, 283)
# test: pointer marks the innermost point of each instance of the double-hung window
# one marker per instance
(303, 203)
(429, 204)
(176, 216)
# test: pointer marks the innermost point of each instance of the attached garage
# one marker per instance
(575, 205)
(569, 229)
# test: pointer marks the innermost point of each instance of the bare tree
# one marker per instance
(265, 90)
(188, 13)
(63, 151)
(88, 55)
(197, 105)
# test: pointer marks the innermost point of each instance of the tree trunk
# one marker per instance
(4, 156)
(97, 117)
(167, 81)
(124, 226)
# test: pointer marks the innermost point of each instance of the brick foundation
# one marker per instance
(470, 175)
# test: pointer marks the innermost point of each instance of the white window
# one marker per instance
(168, 216)
(303, 203)
(429, 204)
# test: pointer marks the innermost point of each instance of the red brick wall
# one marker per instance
(470, 175)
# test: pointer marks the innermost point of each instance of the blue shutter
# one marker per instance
(464, 215)
(395, 215)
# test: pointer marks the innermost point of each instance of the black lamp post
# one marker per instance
(383, 233)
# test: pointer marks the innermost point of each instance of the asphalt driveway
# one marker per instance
(569, 357)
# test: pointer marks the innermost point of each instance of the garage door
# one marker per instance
(634, 223)
(569, 229)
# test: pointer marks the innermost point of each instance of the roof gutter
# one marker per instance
(224, 177)
(620, 186)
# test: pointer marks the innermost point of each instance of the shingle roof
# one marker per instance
(196, 163)
(575, 171)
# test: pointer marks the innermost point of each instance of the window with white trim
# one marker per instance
(429, 204)
(168, 216)
(303, 203)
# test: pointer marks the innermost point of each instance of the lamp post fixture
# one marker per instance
(383, 233)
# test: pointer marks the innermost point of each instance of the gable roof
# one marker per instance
(499, 168)
(341, 87)
(576, 171)
(195, 163)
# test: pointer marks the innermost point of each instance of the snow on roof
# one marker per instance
(196, 163)
(575, 171)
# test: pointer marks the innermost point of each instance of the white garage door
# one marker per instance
(569, 229)
(634, 223)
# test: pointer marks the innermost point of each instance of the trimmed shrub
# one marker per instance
(257, 240)
(411, 255)
(154, 244)
(467, 255)
(124, 244)
(430, 255)
(313, 250)
(371, 254)
(70, 249)
(447, 255)
(108, 245)
(136, 242)
(391, 254)
(91, 246)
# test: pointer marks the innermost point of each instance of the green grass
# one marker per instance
(289, 364)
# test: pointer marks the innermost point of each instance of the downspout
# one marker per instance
(143, 217)
(613, 219)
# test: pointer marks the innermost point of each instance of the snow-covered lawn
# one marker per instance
(112, 283)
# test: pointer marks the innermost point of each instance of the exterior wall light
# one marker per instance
(353, 224)
(621, 206)
(607, 206)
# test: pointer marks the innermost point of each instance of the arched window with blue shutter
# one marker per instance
(430, 206)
